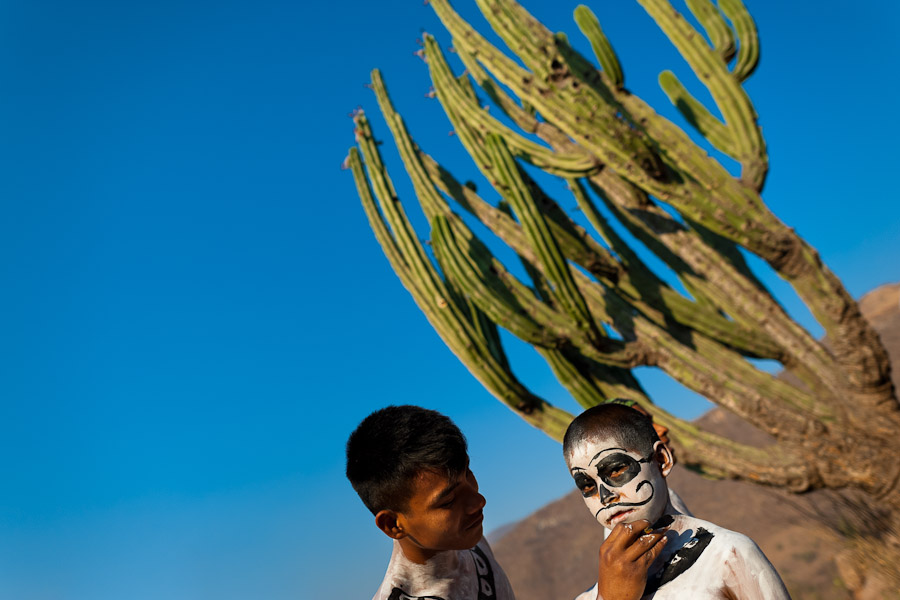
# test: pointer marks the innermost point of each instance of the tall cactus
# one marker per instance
(591, 306)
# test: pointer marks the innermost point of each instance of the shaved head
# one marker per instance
(630, 428)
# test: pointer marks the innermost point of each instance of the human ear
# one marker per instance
(664, 458)
(388, 522)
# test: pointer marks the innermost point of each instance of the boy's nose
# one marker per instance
(478, 503)
(607, 496)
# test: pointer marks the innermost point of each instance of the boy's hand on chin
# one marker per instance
(625, 558)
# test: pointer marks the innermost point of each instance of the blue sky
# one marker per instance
(196, 314)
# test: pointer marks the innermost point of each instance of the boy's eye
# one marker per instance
(618, 469)
(585, 484)
(618, 472)
(448, 503)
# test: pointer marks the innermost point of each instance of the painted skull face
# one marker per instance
(618, 485)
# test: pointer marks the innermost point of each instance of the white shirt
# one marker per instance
(452, 575)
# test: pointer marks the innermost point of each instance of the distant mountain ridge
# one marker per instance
(552, 554)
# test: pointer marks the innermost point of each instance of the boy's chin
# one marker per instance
(629, 516)
(626, 516)
(474, 535)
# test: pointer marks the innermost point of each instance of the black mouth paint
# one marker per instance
(621, 504)
(681, 561)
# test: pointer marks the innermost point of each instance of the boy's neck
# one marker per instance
(415, 553)
(424, 556)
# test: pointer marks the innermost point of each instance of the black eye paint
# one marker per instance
(585, 484)
(618, 469)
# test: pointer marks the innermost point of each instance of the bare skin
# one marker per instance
(625, 559)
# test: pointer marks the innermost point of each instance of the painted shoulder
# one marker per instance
(746, 571)
(739, 540)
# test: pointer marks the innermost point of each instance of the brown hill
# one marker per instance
(552, 554)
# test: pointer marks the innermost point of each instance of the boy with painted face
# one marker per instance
(620, 466)
(410, 467)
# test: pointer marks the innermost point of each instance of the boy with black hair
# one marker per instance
(620, 466)
(410, 467)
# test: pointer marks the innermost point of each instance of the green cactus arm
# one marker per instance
(487, 330)
(803, 352)
(729, 96)
(653, 292)
(584, 116)
(720, 458)
(523, 34)
(525, 119)
(756, 314)
(719, 32)
(576, 243)
(580, 387)
(427, 196)
(711, 369)
(709, 68)
(708, 322)
(698, 115)
(748, 39)
(714, 371)
(435, 301)
(603, 50)
(472, 273)
(511, 304)
(613, 382)
(382, 233)
(433, 205)
(590, 120)
(743, 300)
(510, 185)
(454, 99)
(521, 117)
(465, 85)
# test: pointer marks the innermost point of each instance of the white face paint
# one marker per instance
(618, 485)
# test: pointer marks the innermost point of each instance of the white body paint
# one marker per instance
(450, 575)
(731, 567)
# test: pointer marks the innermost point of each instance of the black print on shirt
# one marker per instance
(398, 594)
(486, 590)
(681, 561)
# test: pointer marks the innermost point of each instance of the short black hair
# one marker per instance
(393, 445)
(627, 426)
